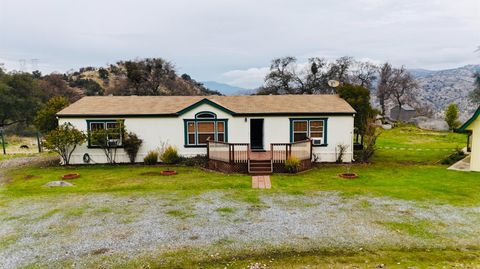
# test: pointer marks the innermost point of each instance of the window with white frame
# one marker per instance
(308, 128)
(112, 130)
(205, 126)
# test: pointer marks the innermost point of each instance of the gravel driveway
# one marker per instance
(84, 229)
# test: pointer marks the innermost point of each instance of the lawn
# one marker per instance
(405, 209)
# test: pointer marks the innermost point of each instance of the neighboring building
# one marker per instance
(472, 126)
(406, 113)
(259, 123)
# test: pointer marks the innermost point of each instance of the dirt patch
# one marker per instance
(99, 251)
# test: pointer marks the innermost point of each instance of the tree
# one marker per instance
(46, 119)
(402, 88)
(64, 140)
(475, 94)
(89, 87)
(369, 140)
(56, 85)
(451, 116)
(364, 74)
(131, 144)
(384, 85)
(359, 98)
(20, 98)
(282, 78)
(103, 73)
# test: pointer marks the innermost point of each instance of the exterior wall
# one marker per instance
(475, 155)
(170, 130)
(405, 115)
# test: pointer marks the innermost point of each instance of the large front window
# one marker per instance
(205, 126)
(314, 129)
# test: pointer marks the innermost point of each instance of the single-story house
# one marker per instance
(230, 129)
(473, 126)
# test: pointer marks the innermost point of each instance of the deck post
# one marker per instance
(311, 150)
(208, 149)
(233, 153)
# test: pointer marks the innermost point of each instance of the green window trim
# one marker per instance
(104, 122)
(196, 121)
(308, 120)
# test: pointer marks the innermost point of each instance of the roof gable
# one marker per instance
(470, 121)
(205, 101)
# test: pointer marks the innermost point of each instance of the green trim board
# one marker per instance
(196, 145)
(470, 121)
(208, 102)
(325, 129)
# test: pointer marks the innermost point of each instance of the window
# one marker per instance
(309, 128)
(204, 126)
(205, 115)
(112, 130)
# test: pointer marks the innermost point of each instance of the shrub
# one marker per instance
(63, 140)
(341, 152)
(454, 157)
(151, 158)
(131, 144)
(292, 164)
(170, 155)
(198, 161)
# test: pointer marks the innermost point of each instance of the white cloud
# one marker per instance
(250, 78)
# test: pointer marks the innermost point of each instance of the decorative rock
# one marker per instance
(58, 183)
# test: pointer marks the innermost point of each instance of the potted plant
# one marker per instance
(348, 174)
(169, 156)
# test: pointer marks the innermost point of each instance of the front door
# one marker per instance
(256, 134)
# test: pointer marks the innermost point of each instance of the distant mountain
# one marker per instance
(226, 89)
(443, 87)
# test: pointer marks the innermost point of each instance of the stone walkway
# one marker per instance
(261, 182)
(462, 165)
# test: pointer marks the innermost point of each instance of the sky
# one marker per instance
(234, 41)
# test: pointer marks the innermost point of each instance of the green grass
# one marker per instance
(421, 229)
(429, 146)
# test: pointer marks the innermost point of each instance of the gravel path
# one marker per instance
(81, 229)
(24, 161)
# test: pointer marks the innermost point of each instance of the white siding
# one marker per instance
(155, 131)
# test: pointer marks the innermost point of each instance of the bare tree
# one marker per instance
(363, 74)
(384, 85)
(402, 88)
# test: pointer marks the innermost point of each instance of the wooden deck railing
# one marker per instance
(240, 152)
(280, 152)
(228, 152)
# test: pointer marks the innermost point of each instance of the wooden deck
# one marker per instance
(260, 155)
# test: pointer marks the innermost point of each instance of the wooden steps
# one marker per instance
(260, 167)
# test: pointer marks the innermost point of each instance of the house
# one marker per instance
(472, 126)
(405, 114)
(238, 133)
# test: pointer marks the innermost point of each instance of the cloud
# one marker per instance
(250, 78)
(208, 38)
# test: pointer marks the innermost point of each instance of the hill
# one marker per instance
(443, 87)
(226, 89)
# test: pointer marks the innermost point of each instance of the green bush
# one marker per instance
(170, 155)
(454, 157)
(197, 161)
(151, 158)
(131, 144)
(292, 164)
